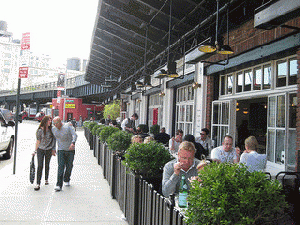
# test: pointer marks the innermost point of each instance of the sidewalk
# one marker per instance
(86, 201)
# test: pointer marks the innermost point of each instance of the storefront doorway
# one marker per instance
(251, 119)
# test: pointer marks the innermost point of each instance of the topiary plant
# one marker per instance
(91, 125)
(229, 194)
(94, 129)
(147, 159)
(101, 126)
(106, 132)
(119, 141)
(86, 123)
(143, 128)
(154, 129)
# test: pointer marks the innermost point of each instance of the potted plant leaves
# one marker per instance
(147, 160)
(229, 194)
(119, 142)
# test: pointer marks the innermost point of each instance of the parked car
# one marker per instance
(6, 133)
(19, 117)
(39, 116)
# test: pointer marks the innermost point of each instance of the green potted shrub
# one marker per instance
(119, 141)
(147, 160)
(143, 128)
(229, 194)
(91, 125)
(100, 127)
(94, 129)
(154, 129)
(86, 123)
(106, 132)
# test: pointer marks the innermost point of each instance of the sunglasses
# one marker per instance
(202, 134)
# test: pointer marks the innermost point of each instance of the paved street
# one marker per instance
(86, 201)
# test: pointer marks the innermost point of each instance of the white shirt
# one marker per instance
(220, 154)
(176, 147)
(206, 143)
(254, 161)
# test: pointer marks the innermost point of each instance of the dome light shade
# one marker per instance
(225, 50)
(207, 48)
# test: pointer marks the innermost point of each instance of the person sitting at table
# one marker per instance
(136, 139)
(226, 152)
(250, 158)
(174, 143)
(185, 164)
(201, 153)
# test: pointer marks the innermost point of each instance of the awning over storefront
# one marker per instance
(133, 39)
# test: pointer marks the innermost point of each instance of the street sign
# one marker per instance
(23, 72)
(25, 44)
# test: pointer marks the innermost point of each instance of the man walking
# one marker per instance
(66, 137)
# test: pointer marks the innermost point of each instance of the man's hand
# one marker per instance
(54, 152)
(72, 147)
(177, 168)
(237, 151)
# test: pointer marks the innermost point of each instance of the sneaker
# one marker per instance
(57, 188)
(46, 182)
(67, 183)
(37, 187)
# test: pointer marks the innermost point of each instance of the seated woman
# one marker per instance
(250, 158)
(136, 139)
(148, 139)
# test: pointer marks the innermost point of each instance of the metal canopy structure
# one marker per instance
(130, 34)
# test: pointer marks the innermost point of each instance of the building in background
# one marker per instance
(73, 64)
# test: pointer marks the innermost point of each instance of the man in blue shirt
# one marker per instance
(65, 137)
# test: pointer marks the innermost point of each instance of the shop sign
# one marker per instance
(68, 100)
(70, 106)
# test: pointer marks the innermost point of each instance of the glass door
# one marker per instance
(223, 121)
(281, 135)
(276, 131)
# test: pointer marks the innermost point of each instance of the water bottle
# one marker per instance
(183, 193)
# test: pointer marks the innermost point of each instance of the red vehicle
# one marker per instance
(24, 115)
(39, 116)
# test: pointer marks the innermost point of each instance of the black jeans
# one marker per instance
(65, 165)
(41, 154)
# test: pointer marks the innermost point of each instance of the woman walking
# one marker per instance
(44, 148)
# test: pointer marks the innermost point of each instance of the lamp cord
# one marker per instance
(169, 34)
(217, 23)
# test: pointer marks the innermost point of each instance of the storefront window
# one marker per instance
(239, 83)
(229, 84)
(257, 77)
(185, 109)
(281, 74)
(248, 80)
(155, 110)
(293, 71)
(267, 77)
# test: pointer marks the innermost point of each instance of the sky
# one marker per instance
(59, 28)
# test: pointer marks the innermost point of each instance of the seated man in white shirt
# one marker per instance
(226, 152)
(253, 160)
(174, 143)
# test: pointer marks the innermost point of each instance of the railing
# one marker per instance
(70, 83)
(140, 203)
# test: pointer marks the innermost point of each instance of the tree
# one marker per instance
(113, 110)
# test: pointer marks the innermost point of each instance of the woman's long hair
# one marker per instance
(44, 123)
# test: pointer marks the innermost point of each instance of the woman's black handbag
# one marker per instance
(32, 170)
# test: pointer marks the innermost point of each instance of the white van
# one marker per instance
(7, 134)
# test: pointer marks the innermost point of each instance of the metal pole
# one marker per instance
(65, 94)
(17, 122)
